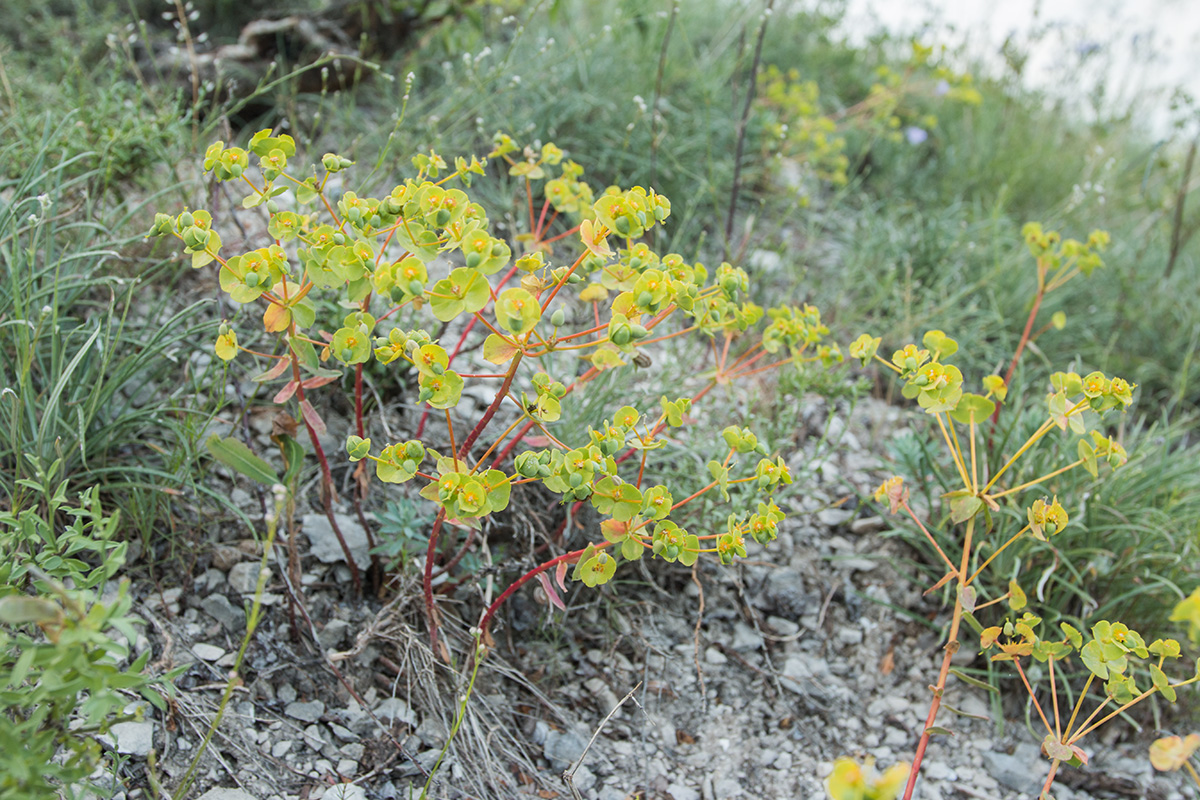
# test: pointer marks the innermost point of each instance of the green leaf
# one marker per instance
(293, 459)
(972, 407)
(940, 343)
(631, 549)
(237, 456)
(963, 508)
(1054, 749)
(1073, 635)
(691, 552)
(1093, 659)
(1088, 454)
(498, 350)
(588, 553)
(978, 684)
(306, 354)
(1018, 600)
(720, 474)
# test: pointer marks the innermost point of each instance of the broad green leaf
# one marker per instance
(1093, 659)
(972, 407)
(1088, 454)
(963, 508)
(498, 350)
(1018, 600)
(238, 457)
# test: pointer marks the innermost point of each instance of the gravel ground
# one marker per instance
(799, 655)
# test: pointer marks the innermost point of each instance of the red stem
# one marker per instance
(537, 231)
(528, 576)
(437, 523)
(327, 481)
(427, 583)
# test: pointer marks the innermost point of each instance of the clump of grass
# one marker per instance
(96, 376)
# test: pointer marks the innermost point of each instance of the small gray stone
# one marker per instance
(224, 557)
(715, 657)
(834, 517)
(243, 577)
(849, 635)
(219, 608)
(286, 693)
(432, 732)
(806, 674)
(727, 787)
(394, 709)
(784, 592)
(563, 747)
(681, 792)
(857, 564)
(745, 638)
(281, 748)
(867, 525)
(133, 738)
(937, 771)
(227, 794)
(305, 712)
(342, 734)
(207, 652)
(323, 542)
(1023, 771)
(314, 737)
(333, 634)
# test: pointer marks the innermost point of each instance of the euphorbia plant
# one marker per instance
(1075, 407)
(588, 289)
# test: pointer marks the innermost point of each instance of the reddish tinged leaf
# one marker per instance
(944, 580)
(320, 380)
(966, 596)
(560, 575)
(551, 592)
(274, 372)
(277, 318)
(312, 417)
(285, 394)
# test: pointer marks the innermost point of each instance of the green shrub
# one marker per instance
(65, 678)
